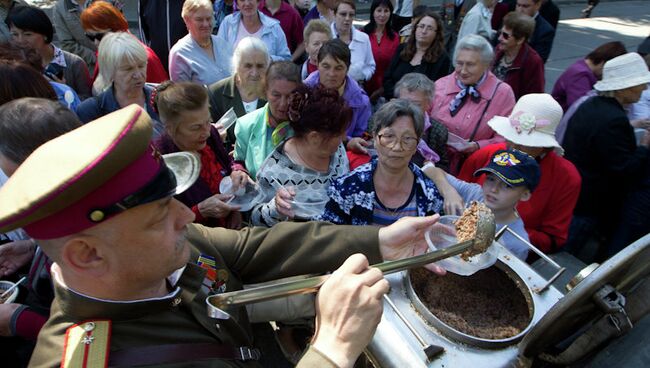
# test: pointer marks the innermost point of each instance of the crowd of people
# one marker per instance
(353, 140)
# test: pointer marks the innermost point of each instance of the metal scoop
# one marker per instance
(218, 305)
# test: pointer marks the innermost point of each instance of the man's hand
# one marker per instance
(216, 207)
(348, 309)
(405, 238)
(15, 255)
(6, 312)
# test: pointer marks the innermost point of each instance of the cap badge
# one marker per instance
(525, 122)
(96, 216)
(505, 159)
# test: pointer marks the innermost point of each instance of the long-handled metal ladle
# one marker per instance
(219, 304)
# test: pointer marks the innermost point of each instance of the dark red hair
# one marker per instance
(318, 109)
(103, 15)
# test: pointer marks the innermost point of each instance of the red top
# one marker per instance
(383, 52)
(211, 173)
(547, 214)
(155, 71)
(311, 67)
(290, 22)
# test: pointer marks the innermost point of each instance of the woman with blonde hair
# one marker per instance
(124, 69)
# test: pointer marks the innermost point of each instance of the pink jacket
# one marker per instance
(464, 123)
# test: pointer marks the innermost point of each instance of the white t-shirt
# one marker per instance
(250, 106)
(242, 33)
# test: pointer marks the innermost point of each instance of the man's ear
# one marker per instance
(83, 255)
(525, 195)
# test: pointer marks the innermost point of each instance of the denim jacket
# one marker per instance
(272, 36)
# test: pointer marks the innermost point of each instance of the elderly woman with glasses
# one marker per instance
(200, 56)
(244, 91)
(31, 28)
(468, 98)
(390, 186)
(183, 109)
(100, 18)
(424, 52)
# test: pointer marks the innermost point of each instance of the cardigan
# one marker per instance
(398, 67)
(526, 74)
(223, 95)
(547, 214)
(465, 122)
(352, 196)
(356, 98)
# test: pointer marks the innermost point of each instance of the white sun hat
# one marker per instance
(625, 71)
(532, 122)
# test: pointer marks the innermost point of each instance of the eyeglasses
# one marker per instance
(95, 36)
(506, 35)
(425, 27)
(390, 140)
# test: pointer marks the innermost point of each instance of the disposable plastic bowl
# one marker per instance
(5, 285)
(246, 198)
(226, 121)
(306, 205)
(443, 235)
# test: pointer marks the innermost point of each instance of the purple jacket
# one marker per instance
(574, 83)
(356, 98)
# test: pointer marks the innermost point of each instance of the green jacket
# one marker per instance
(253, 142)
(248, 256)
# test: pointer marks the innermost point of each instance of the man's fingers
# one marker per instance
(356, 263)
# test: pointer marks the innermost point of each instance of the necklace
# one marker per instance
(205, 45)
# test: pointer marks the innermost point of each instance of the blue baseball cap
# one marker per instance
(514, 167)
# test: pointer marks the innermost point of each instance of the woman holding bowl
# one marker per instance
(259, 132)
(333, 65)
(424, 52)
(468, 98)
(304, 164)
(390, 186)
(183, 108)
(198, 56)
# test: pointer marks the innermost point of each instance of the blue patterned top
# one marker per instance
(352, 196)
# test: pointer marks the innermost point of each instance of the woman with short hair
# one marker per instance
(101, 17)
(362, 63)
(183, 109)
(124, 68)
(468, 98)
(515, 62)
(333, 65)
(248, 21)
(30, 27)
(424, 52)
(244, 91)
(259, 132)
(200, 56)
(316, 33)
(306, 163)
(390, 186)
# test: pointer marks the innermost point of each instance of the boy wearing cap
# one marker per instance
(132, 273)
(511, 177)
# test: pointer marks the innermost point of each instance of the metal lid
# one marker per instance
(576, 309)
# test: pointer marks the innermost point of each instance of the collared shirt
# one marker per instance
(189, 62)
(362, 63)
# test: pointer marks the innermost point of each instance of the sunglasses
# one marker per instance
(95, 36)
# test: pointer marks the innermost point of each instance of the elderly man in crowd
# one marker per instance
(106, 208)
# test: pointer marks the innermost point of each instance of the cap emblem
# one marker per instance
(505, 159)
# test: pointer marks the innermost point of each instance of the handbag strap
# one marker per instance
(177, 353)
(478, 123)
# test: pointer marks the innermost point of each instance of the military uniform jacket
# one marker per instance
(247, 256)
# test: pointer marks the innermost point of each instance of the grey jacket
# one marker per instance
(70, 34)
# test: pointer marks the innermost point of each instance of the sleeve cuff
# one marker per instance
(315, 358)
(26, 323)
